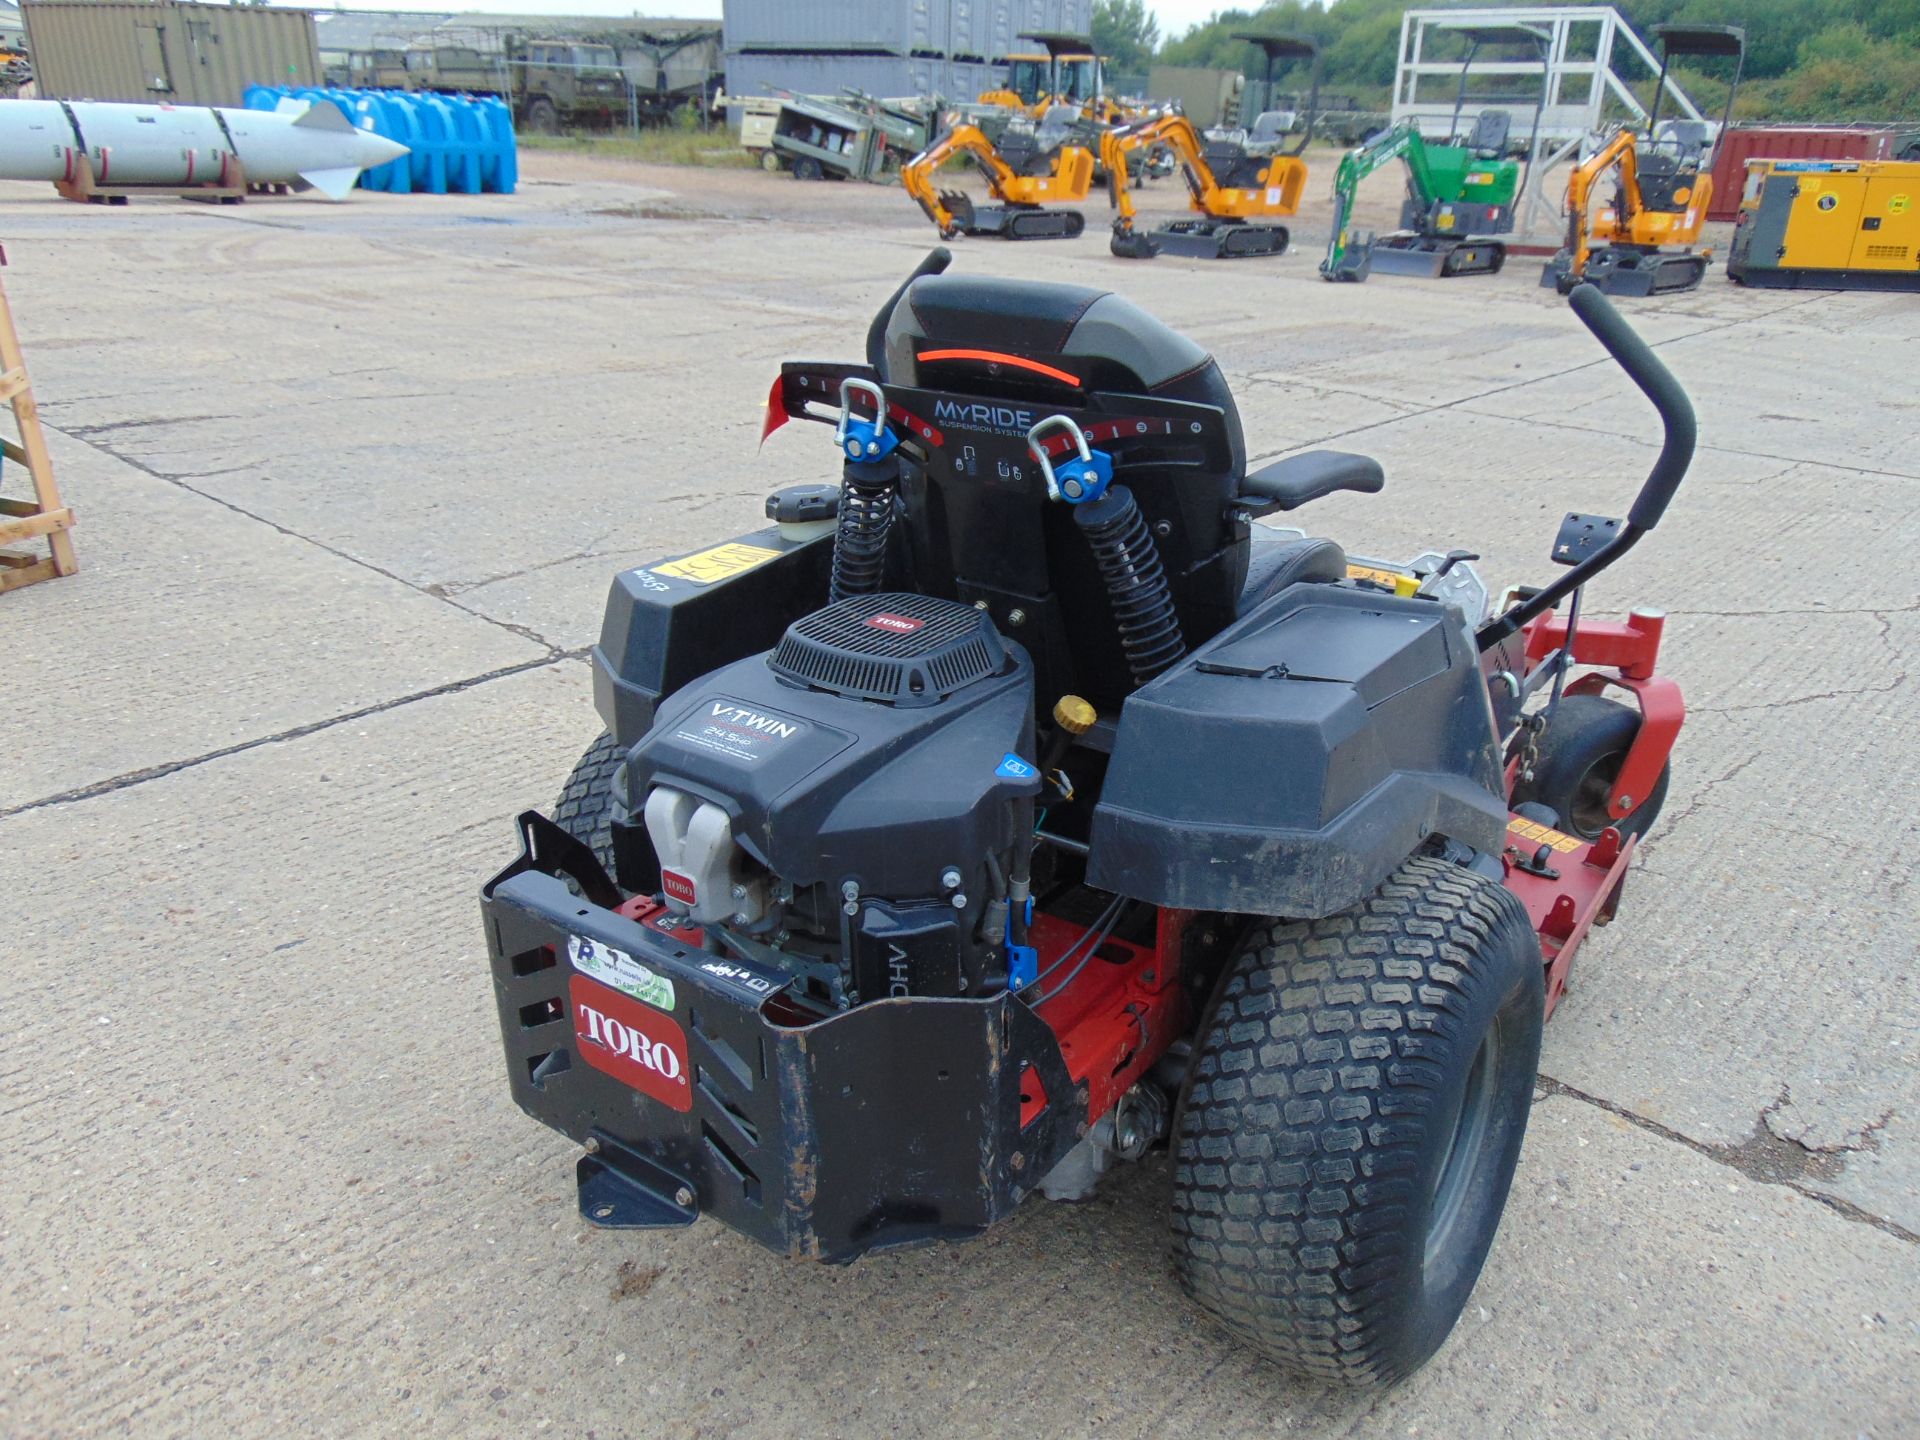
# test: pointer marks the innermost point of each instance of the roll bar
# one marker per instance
(1680, 433)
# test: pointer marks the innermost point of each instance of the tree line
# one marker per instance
(1833, 60)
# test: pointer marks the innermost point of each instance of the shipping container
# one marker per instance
(968, 29)
(158, 50)
(1742, 143)
(889, 77)
(888, 27)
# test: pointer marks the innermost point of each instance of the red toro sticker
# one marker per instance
(679, 887)
(636, 1045)
(898, 624)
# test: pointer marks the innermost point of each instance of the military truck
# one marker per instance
(556, 84)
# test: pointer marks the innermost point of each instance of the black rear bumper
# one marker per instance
(894, 1123)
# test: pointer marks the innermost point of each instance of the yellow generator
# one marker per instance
(1829, 225)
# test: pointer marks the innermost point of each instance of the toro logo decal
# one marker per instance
(679, 887)
(898, 624)
(636, 1046)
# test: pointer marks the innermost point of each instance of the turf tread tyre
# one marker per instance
(1588, 730)
(585, 807)
(1323, 1076)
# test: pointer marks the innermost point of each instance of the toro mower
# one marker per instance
(1018, 806)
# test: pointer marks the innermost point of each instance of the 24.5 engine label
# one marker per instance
(642, 1048)
(739, 731)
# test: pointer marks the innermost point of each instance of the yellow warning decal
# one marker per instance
(1541, 835)
(1398, 581)
(1371, 572)
(718, 563)
(1899, 204)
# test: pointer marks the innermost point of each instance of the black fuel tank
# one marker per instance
(1291, 763)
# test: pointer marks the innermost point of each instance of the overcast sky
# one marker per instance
(1175, 16)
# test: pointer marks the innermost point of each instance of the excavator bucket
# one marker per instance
(1132, 245)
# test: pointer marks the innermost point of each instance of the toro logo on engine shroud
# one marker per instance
(898, 624)
(637, 1046)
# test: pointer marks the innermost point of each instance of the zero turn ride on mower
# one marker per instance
(1642, 243)
(1031, 167)
(1018, 806)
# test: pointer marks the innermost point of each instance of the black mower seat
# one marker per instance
(1124, 347)
(1276, 561)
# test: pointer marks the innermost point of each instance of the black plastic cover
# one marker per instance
(668, 623)
(822, 788)
(1290, 764)
(895, 647)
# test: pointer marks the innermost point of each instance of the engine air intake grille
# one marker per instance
(897, 648)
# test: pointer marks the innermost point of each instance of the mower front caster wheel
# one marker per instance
(1351, 1122)
(585, 807)
(1580, 757)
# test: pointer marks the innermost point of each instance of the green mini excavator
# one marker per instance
(1460, 190)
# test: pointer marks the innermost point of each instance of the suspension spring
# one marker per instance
(1136, 582)
(866, 516)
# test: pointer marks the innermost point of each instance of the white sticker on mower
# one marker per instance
(619, 970)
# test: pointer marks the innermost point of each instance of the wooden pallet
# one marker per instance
(43, 517)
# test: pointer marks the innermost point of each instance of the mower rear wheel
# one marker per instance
(1580, 757)
(585, 807)
(1352, 1119)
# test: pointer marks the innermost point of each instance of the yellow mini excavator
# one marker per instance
(1643, 243)
(1235, 184)
(1028, 86)
(1031, 168)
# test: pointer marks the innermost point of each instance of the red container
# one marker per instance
(1742, 143)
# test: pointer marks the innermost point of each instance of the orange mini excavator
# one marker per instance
(1643, 242)
(1234, 183)
(1031, 168)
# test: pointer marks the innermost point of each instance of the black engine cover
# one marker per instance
(824, 788)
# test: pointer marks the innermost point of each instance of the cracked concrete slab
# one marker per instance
(190, 629)
(1763, 396)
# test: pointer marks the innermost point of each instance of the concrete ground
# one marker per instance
(352, 481)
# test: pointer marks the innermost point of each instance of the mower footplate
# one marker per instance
(1212, 240)
(1434, 259)
(698, 1084)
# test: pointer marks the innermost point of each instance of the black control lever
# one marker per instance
(1645, 369)
(937, 260)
